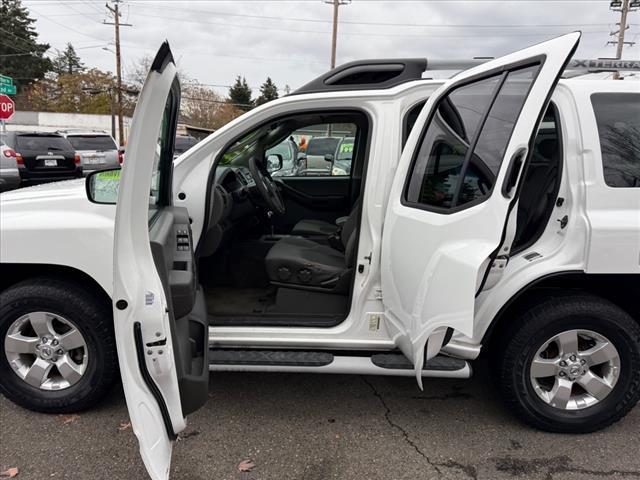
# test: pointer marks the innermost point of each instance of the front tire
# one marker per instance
(58, 347)
(571, 364)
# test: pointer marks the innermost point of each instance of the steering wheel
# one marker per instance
(266, 186)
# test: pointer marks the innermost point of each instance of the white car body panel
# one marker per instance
(83, 231)
(34, 219)
(433, 263)
(136, 282)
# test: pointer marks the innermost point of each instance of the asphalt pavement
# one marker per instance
(313, 427)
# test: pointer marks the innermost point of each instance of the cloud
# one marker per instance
(213, 41)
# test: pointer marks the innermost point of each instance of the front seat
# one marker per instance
(298, 262)
(320, 228)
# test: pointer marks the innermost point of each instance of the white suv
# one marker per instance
(497, 212)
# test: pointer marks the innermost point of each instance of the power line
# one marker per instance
(22, 49)
(363, 34)
(390, 24)
(67, 27)
(79, 12)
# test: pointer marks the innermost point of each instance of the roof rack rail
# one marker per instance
(378, 74)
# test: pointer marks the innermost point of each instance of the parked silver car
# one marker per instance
(9, 173)
(97, 149)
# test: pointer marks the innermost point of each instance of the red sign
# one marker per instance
(7, 107)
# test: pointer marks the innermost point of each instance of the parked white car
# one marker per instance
(503, 218)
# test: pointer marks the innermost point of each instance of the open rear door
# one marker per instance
(448, 232)
(159, 313)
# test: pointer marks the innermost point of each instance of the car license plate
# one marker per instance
(93, 160)
(50, 162)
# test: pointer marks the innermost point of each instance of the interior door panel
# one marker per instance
(319, 198)
(171, 247)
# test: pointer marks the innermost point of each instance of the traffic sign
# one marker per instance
(7, 107)
(4, 80)
(8, 89)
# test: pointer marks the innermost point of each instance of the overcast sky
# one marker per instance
(213, 41)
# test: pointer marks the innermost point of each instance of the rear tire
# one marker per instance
(547, 324)
(67, 306)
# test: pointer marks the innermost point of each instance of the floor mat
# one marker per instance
(223, 300)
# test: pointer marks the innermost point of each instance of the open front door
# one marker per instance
(159, 313)
(448, 232)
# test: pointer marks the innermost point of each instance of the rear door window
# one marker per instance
(462, 149)
(618, 120)
(43, 143)
(92, 142)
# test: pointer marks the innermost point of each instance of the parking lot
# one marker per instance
(295, 426)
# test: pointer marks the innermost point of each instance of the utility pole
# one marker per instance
(624, 7)
(115, 11)
(334, 34)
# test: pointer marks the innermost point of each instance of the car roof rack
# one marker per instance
(379, 74)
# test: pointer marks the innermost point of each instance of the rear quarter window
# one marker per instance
(618, 120)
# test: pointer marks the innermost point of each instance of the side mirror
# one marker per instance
(102, 186)
(329, 157)
(274, 162)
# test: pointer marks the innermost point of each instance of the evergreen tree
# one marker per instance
(240, 94)
(22, 56)
(68, 62)
(268, 92)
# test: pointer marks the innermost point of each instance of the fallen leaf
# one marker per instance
(124, 426)
(10, 473)
(246, 466)
(69, 418)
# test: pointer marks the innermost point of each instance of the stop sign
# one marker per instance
(7, 107)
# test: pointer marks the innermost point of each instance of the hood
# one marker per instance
(48, 192)
(52, 206)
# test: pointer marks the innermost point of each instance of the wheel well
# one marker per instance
(13, 273)
(621, 289)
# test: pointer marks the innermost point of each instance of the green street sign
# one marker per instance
(7, 89)
(6, 80)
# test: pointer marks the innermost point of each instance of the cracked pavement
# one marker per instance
(312, 427)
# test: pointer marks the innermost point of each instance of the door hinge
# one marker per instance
(368, 257)
(377, 294)
(495, 272)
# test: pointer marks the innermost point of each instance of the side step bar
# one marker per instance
(391, 364)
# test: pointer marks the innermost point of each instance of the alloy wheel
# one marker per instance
(575, 369)
(46, 350)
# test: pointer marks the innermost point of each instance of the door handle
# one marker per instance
(513, 171)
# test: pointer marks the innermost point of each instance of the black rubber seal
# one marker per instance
(163, 57)
(153, 388)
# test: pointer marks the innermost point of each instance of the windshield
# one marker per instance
(92, 142)
(42, 142)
